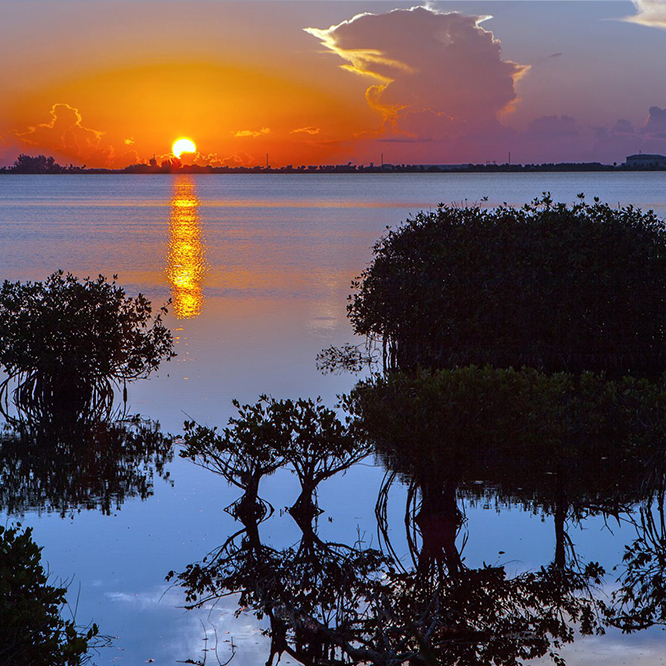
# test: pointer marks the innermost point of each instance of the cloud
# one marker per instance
(237, 159)
(66, 130)
(252, 133)
(403, 139)
(556, 138)
(129, 142)
(65, 135)
(565, 139)
(128, 157)
(305, 130)
(623, 126)
(651, 13)
(553, 127)
(655, 124)
(419, 61)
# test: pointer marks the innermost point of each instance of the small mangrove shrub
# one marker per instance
(66, 344)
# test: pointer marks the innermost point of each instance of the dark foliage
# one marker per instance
(334, 604)
(66, 343)
(531, 437)
(38, 164)
(302, 434)
(641, 596)
(32, 629)
(549, 286)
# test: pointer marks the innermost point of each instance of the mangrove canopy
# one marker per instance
(65, 343)
(551, 286)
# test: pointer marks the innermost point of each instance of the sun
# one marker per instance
(183, 145)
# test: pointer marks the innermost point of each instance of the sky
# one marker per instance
(108, 83)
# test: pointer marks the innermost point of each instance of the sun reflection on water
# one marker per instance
(186, 261)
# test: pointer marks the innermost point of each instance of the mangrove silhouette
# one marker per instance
(563, 446)
(303, 434)
(527, 433)
(550, 286)
(340, 603)
(563, 292)
(68, 346)
(453, 302)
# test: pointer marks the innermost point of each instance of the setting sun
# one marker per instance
(181, 146)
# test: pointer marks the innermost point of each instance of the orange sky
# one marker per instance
(224, 109)
(110, 83)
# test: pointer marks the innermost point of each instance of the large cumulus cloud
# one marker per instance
(432, 75)
(651, 13)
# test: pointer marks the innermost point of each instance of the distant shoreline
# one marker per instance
(344, 169)
(147, 169)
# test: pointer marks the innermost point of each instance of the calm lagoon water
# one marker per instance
(258, 268)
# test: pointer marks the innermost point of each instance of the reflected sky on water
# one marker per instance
(259, 270)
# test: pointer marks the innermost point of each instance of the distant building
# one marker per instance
(646, 161)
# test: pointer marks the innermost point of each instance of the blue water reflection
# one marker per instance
(280, 252)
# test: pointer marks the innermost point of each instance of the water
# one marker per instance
(258, 268)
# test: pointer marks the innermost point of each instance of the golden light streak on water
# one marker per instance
(186, 261)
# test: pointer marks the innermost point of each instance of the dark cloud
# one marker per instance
(655, 124)
(553, 127)
(554, 139)
(564, 139)
(623, 126)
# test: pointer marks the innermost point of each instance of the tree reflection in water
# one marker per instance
(84, 465)
(68, 347)
(567, 452)
(449, 289)
(641, 597)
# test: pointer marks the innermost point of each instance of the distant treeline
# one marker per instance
(41, 164)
